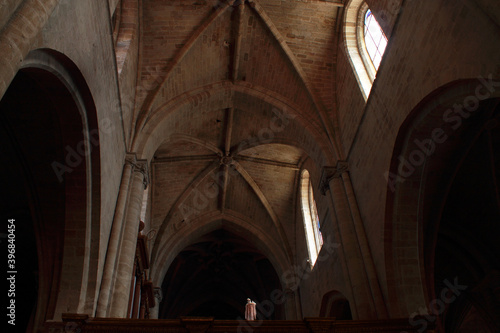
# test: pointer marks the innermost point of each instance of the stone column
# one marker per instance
(128, 242)
(328, 174)
(291, 306)
(356, 263)
(114, 238)
(371, 272)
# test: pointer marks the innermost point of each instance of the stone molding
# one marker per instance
(330, 172)
(141, 166)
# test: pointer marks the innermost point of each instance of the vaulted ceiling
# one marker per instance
(234, 97)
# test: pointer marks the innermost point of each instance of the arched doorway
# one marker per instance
(46, 176)
(215, 275)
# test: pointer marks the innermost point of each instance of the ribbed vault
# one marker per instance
(237, 43)
(233, 98)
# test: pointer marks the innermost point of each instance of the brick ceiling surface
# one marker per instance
(238, 96)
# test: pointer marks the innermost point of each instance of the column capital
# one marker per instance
(330, 172)
(139, 166)
(143, 167)
(130, 158)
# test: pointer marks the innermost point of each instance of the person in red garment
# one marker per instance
(250, 312)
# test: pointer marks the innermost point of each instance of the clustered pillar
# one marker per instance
(366, 295)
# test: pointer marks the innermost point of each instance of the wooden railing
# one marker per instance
(84, 324)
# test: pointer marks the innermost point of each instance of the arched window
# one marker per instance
(375, 40)
(365, 43)
(312, 225)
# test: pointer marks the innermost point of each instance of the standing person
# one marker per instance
(250, 312)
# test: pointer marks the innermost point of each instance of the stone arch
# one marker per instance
(429, 140)
(180, 209)
(214, 274)
(335, 304)
(151, 132)
(176, 138)
(60, 170)
(231, 221)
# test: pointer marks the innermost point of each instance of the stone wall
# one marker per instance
(81, 30)
(432, 44)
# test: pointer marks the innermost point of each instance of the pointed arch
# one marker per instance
(334, 304)
(432, 137)
(76, 169)
(230, 220)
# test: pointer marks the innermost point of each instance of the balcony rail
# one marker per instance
(83, 324)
